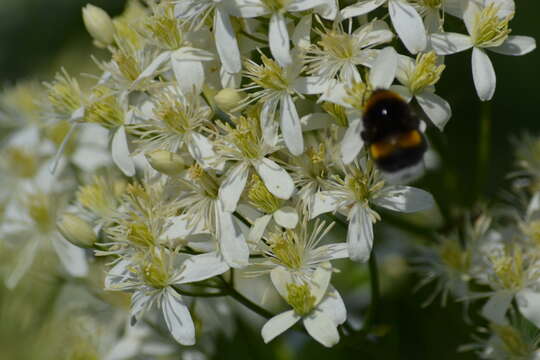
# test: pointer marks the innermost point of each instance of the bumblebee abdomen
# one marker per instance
(399, 151)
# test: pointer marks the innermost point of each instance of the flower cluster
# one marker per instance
(222, 140)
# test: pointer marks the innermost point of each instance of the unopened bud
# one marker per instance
(99, 24)
(227, 99)
(76, 230)
(166, 162)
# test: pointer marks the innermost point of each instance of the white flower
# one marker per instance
(432, 11)
(200, 203)
(244, 144)
(488, 30)
(275, 86)
(407, 22)
(316, 303)
(419, 79)
(195, 12)
(278, 34)
(173, 120)
(34, 222)
(354, 196)
(298, 251)
(338, 53)
(153, 276)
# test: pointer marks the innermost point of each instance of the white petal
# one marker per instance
(177, 317)
(352, 141)
(336, 93)
(323, 202)
(301, 35)
(202, 267)
(408, 24)
(60, 151)
(257, 229)
(275, 178)
(249, 9)
(71, 256)
(232, 187)
(333, 251)
(140, 302)
(384, 69)
(320, 280)
(333, 306)
(529, 305)
(303, 5)
(24, 261)
(118, 275)
(232, 244)
(291, 128)
(360, 234)
(449, 43)
(178, 229)
(402, 91)
(201, 149)
(278, 324)
(484, 77)
(322, 329)
(229, 80)
(496, 307)
(406, 199)
(516, 45)
(278, 37)
(280, 278)
(226, 43)
(154, 65)
(361, 8)
(120, 152)
(437, 109)
(286, 217)
(269, 126)
(189, 74)
(311, 85)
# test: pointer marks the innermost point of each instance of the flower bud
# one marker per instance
(99, 24)
(76, 230)
(227, 99)
(166, 162)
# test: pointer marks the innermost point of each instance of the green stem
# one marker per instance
(245, 301)
(484, 148)
(189, 293)
(375, 293)
(254, 38)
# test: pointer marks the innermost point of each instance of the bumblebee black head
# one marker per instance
(391, 131)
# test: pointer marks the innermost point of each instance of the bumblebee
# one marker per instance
(391, 132)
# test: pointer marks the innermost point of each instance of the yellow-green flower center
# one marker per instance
(269, 75)
(163, 28)
(453, 255)
(41, 211)
(338, 44)
(105, 110)
(155, 271)
(512, 340)
(276, 5)
(489, 29)
(260, 197)
(300, 298)
(426, 72)
(205, 180)
(509, 269)
(287, 249)
(22, 163)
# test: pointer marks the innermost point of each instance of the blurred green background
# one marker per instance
(37, 37)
